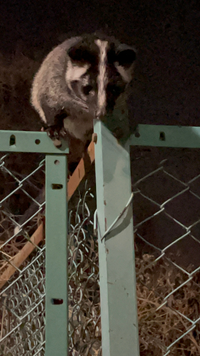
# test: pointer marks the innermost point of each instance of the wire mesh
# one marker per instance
(84, 292)
(167, 241)
(22, 280)
(23, 311)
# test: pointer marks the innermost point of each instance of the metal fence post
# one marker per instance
(116, 250)
(56, 256)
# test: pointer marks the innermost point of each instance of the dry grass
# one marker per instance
(160, 326)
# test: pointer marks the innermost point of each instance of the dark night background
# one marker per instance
(165, 90)
(165, 33)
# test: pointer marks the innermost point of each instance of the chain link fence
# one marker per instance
(167, 241)
(84, 292)
(22, 276)
(22, 273)
(166, 208)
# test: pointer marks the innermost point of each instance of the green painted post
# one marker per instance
(165, 136)
(56, 231)
(56, 256)
(116, 250)
(27, 141)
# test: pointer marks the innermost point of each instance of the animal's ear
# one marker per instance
(83, 51)
(125, 55)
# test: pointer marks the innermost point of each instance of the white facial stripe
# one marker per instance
(126, 74)
(75, 72)
(102, 77)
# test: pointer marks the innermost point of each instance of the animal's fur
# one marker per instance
(79, 80)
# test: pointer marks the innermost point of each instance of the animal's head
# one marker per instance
(98, 72)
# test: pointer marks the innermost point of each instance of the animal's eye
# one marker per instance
(87, 89)
(113, 89)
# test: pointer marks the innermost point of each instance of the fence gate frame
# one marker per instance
(56, 330)
(113, 222)
(115, 227)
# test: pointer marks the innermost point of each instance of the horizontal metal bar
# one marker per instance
(165, 136)
(29, 141)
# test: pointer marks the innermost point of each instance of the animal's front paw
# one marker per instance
(54, 133)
